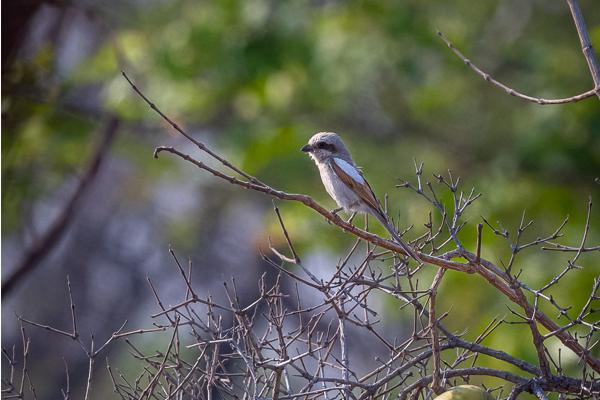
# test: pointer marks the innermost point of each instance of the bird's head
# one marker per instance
(324, 145)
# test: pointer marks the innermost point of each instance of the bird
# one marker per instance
(345, 183)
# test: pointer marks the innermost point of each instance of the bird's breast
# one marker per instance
(336, 188)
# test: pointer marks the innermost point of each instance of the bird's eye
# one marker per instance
(321, 145)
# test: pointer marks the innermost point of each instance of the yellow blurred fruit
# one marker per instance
(465, 392)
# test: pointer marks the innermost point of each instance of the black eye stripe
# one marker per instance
(326, 146)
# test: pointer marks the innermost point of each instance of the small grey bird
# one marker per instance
(345, 182)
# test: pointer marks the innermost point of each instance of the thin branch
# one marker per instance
(478, 254)
(487, 77)
(198, 144)
(436, 384)
(344, 346)
(88, 385)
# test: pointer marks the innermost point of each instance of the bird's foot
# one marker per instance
(335, 211)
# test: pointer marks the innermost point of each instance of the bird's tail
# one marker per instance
(390, 228)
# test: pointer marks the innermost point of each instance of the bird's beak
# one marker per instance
(307, 148)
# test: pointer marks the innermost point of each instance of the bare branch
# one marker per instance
(487, 77)
(436, 384)
(586, 43)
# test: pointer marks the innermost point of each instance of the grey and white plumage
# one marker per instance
(345, 183)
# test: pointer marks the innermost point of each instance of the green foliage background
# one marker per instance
(257, 78)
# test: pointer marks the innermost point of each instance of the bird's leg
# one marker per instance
(351, 218)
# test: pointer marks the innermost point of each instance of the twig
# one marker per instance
(73, 319)
(478, 254)
(436, 384)
(67, 391)
(508, 89)
(296, 260)
(287, 236)
(198, 144)
(150, 388)
(344, 347)
(88, 385)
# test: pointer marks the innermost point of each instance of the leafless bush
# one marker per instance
(291, 341)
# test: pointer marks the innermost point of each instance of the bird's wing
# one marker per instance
(353, 178)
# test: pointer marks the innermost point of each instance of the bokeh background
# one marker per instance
(255, 79)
